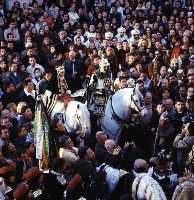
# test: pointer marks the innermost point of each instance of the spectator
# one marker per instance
(12, 29)
(9, 95)
(67, 150)
(45, 82)
(183, 143)
(28, 94)
(149, 45)
(33, 65)
(73, 71)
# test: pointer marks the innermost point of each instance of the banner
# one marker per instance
(41, 131)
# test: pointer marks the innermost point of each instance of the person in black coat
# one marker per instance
(84, 175)
(55, 183)
(28, 94)
(63, 41)
(46, 83)
(100, 150)
(73, 72)
(9, 96)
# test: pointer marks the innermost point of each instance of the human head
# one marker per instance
(5, 122)
(32, 60)
(22, 130)
(180, 105)
(27, 112)
(85, 153)
(110, 145)
(4, 133)
(190, 79)
(140, 166)
(13, 67)
(182, 91)
(9, 87)
(148, 98)
(101, 137)
(48, 75)
(140, 85)
(28, 85)
(72, 55)
(190, 91)
(168, 103)
(37, 73)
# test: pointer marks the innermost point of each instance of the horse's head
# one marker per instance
(78, 118)
(134, 101)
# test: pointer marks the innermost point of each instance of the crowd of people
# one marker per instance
(103, 45)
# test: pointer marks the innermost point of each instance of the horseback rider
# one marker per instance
(99, 88)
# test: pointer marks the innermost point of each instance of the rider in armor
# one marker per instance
(99, 88)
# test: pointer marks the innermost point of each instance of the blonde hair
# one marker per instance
(20, 106)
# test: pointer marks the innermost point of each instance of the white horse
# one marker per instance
(76, 115)
(145, 187)
(122, 108)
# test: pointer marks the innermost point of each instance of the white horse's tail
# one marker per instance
(145, 187)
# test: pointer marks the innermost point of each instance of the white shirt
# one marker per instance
(36, 82)
(30, 69)
(15, 32)
(32, 94)
(121, 38)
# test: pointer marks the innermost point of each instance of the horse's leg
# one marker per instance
(90, 140)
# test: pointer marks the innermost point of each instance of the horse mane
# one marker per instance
(81, 110)
(122, 97)
(151, 188)
(73, 108)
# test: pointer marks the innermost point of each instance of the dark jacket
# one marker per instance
(9, 98)
(15, 79)
(62, 46)
(46, 85)
(53, 190)
(28, 99)
(73, 79)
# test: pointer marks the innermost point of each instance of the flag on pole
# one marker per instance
(41, 131)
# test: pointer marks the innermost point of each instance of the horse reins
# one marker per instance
(116, 117)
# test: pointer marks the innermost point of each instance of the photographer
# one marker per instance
(183, 144)
(185, 189)
(162, 172)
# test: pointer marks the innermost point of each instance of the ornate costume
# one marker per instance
(99, 89)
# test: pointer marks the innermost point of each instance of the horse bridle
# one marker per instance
(117, 118)
(133, 100)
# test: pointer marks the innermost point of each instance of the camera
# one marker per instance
(163, 157)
